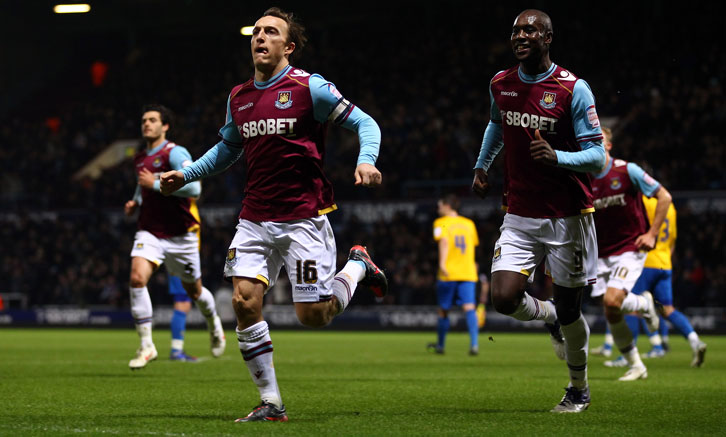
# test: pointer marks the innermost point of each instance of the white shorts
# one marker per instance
(618, 271)
(305, 247)
(180, 254)
(568, 246)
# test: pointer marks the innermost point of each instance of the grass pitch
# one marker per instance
(77, 382)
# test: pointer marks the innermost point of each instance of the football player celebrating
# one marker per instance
(279, 118)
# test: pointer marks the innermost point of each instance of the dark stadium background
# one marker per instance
(421, 69)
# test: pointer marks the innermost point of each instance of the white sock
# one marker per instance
(177, 344)
(355, 269)
(655, 340)
(346, 281)
(634, 303)
(633, 358)
(624, 341)
(609, 339)
(256, 348)
(534, 309)
(694, 340)
(142, 313)
(577, 337)
(206, 306)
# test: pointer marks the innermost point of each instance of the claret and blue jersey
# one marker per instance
(166, 216)
(281, 125)
(619, 213)
(562, 107)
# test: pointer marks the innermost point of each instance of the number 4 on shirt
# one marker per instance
(460, 242)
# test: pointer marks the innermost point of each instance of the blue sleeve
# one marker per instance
(590, 159)
(645, 183)
(492, 142)
(330, 105)
(588, 134)
(229, 132)
(585, 121)
(217, 159)
(494, 113)
(137, 195)
(179, 157)
(490, 146)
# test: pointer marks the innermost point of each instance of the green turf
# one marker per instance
(77, 382)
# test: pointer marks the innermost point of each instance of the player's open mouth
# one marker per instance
(521, 48)
(261, 50)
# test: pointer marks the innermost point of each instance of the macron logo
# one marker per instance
(242, 108)
(509, 93)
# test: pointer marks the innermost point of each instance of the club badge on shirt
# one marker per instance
(284, 100)
(548, 100)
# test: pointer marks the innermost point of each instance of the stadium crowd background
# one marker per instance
(421, 70)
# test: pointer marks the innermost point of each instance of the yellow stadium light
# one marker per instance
(80, 8)
(246, 30)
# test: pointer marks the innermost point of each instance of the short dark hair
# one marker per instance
(296, 31)
(167, 116)
(452, 200)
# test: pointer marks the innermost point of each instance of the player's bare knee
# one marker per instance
(137, 280)
(314, 319)
(507, 291)
(193, 291)
(611, 302)
(314, 315)
(504, 304)
(246, 306)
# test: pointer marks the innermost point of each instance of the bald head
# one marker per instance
(535, 15)
(531, 39)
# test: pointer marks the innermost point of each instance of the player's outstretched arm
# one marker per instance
(171, 181)
(216, 160)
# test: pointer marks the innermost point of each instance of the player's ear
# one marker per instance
(548, 37)
(289, 49)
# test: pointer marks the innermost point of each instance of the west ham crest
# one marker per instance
(157, 162)
(615, 183)
(548, 100)
(284, 100)
(232, 256)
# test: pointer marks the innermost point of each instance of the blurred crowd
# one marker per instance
(426, 84)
